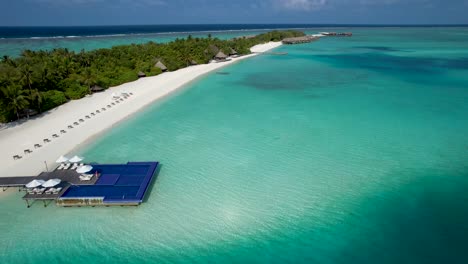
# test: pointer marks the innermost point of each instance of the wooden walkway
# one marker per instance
(6, 182)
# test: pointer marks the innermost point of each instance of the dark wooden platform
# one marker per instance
(15, 181)
(70, 176)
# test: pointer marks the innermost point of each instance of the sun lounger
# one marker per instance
(57, 190)
(30, 191)
(75, 166)
(40, 191)
(67, 166)
(61, 167)
(49, 191)
(86, 177)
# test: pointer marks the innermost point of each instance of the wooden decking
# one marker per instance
(70, 176)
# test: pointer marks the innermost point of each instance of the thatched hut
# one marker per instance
(193, 62)
(232, 52)
(213, 49)
(28, 113)
(220, 56)
(141, 74)
(161, 66)
(96, 89)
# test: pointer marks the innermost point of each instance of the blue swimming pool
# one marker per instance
(117, 183)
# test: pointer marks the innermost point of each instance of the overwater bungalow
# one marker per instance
(300, 40)
(161, 66)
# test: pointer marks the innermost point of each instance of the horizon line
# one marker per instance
(244, 24)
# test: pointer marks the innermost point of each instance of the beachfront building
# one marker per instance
(96, 89)
(161, 66)
(220, 56)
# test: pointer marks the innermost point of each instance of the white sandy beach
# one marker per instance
(16, 137)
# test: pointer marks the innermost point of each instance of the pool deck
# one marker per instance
(115, 184)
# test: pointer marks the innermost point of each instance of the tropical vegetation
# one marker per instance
(37, 81)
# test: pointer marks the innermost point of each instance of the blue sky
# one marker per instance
(127, 12)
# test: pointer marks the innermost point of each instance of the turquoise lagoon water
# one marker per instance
(346, 150)
(14, 47)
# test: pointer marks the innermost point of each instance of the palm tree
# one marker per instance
(37, 98)
(27, 72)
(14, 99)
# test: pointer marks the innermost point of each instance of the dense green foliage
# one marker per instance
(41, 80)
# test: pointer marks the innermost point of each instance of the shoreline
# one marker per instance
(16, 137)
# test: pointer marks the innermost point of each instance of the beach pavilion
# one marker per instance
(220, 56)
(161, 66)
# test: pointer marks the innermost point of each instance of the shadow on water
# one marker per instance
(152, 183)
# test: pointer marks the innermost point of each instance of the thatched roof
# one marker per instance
(193, 62)
(96, 88)
(221, 55)
(212, 49)
(232, 52)
(28, 113)
(161, 66)
(141, 74)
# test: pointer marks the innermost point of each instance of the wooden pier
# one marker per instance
(300, 40)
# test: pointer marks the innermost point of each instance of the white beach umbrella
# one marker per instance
(75, 159)
(84, 169)
(34, 183)
(51, 183)
(62, 159)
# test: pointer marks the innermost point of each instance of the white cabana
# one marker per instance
(75, 159)
(51, 183)
(34, 183)
(62, 159)
(84, 169)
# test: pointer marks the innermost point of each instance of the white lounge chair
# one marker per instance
(86, 177)
(74, 166)
(40, 191)
(57, 190)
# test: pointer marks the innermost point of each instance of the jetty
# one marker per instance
(336, 34)
(300, 40)
(103, 185)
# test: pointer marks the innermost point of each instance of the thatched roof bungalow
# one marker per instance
(96, 89)
(141, 74)
(220, 56)
(161, 66)
(232, 52)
